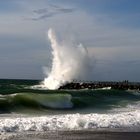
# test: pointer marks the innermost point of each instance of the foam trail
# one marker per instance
(70, 61)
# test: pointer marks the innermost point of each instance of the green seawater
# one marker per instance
(17, 96)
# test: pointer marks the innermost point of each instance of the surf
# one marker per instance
(71, 122)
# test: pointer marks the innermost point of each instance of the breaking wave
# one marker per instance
(34, 100)
(70, 122)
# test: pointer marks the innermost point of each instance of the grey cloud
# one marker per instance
(50, 11)
(43, 16)
(41, 11)
(119, 62)
(133, 62)
(66, 10)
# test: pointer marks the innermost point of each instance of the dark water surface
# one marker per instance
(19, 96)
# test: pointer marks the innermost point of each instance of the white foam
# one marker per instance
(70, 122)
(131, 107)
(104, 88)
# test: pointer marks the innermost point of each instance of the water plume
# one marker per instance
(69, 61)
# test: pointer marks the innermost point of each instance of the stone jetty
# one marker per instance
(124, 85)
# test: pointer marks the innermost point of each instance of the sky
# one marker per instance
(110, 29)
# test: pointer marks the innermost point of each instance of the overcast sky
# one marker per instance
(110, 29)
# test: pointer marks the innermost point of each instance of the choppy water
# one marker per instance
(24, 108)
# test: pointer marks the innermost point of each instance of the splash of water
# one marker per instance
(69, 62)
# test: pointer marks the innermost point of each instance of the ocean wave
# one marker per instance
(82, 100)
(70, 122)
(54, 101)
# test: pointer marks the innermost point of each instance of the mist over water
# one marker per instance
(69, 61)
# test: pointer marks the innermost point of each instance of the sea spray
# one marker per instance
(69, 62)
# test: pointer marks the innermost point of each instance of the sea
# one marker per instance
(25, 107)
